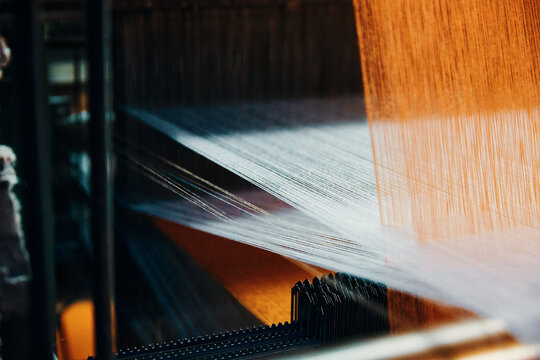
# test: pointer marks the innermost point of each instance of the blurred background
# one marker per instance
(181, 53)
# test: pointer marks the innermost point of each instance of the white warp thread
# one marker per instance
(316, 157)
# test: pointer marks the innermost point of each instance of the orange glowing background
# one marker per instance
(260, 280)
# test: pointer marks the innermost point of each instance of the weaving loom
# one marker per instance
(257, 155)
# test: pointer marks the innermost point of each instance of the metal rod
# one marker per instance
(35, 173)
(100, 106)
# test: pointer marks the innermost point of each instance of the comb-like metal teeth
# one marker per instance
(325, 310)
(204, 344)
(338, 306)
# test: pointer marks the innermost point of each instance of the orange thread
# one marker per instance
(452, 91)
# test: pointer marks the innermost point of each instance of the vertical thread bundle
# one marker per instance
(452, 91)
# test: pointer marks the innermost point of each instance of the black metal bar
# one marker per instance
(35, 173)
(100, 106)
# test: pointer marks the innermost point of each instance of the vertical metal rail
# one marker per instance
(100, 106)
(35, 173)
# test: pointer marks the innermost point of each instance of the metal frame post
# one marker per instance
(100, 129)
